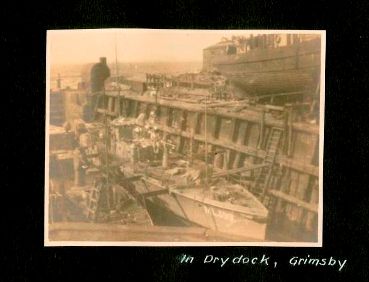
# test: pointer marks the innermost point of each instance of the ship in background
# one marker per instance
(248, 122)
(264, 53)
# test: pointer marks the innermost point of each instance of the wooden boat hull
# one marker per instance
(213, 214)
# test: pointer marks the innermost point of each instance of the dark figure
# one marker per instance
(99, 73)
(80, 163)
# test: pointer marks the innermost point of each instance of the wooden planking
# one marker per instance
(250, 115)
(135, 108)
(306, 168)
(246, 148)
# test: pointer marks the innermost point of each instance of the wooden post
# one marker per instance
(158, 113)
(146, 110)
(290, 124)
(110, 104)
(165, 153)
(261, 133)
(235, 129)
(190, 161)
(216, 131)
(246, 135)
(135, 108)
(234, 136)
(196, 130)
(169, 116)
(183, 128)
(117, 106)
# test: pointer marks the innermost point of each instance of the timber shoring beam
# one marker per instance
(238, 170)
(294, 200)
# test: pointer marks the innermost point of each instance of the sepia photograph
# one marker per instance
(184, 137)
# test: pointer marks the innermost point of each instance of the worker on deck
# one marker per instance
(140, 120)
(155, 139)
(152, 117)
(85, 139)
(79, 166)
(134, 155)
(79, 129)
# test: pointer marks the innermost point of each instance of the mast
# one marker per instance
(106, 137)
(116, 64)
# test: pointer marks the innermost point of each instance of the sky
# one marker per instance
(131, 45)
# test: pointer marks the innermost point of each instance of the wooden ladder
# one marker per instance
(93, 202)
(262, 180)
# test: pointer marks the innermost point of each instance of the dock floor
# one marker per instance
(80, 231)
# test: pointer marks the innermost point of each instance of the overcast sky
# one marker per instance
(133, 45)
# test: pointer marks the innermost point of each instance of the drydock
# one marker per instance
(231, 151)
